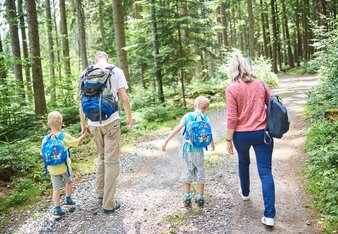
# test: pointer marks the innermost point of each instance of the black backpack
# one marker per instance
(97, 100)
(278, 121)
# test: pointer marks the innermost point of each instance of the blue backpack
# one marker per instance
(278, 121)
(54, 151)
(97, 100)
(198, 132)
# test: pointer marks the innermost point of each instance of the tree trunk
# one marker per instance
(51, 52)
(299, 36)
(279, 50)
(274, 37)
(15, 45)
(156, 53)
(265, 39)
(120, 38)
(82, 33)
(288, 39)
(234, 26)
(251, 30)
(101, 23)
(182, 36)
(25, 52)
(183, 12)
(266, 18)
(65, 49)
(34, 45)
(3, 71)
(305, 28)
(58, 60)
(224, 25)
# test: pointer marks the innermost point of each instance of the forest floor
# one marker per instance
(151, 194)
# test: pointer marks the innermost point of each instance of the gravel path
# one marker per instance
(151, 193)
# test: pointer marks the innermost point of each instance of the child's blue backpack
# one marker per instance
(54, 151)
(198, 132)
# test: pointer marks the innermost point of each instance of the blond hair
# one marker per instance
(201, 103)
(101, 55)
(54, 119)
(239, 69)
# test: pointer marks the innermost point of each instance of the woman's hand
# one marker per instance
(230, 147)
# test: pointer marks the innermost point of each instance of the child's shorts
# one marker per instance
(57, 180)
(193, 167)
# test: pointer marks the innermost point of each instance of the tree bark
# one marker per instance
(265, 39)
(101, 23)
(34, 45)
(82, 33)
(288, 39)
(305, 28)
(279, 50)
(25, 51)
(274, 37)
(51, 52)
(299, 36)
(3, 71)
(156, 53)
(65, 49)
(224, 24)
(120, 38)
(15, 45)
(251, 30)
(57, 51)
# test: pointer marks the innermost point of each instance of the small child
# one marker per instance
(193, 157)
(59, 173)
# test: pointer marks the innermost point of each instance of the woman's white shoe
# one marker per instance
(268, 221)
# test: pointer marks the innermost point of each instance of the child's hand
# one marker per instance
(85, 131)
(164, 145)
(212, 147)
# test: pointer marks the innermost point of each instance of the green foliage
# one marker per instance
(27, 191)
(261, 67)
(17, 158)
(321, 138)
(162, 113)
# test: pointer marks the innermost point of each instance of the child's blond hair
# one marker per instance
(54, 118)
(201, 103)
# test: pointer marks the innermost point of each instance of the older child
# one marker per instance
(193, 157)
(60, 173)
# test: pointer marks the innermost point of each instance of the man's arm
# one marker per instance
(126, 106)
(82, 119)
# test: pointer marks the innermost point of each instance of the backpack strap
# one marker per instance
(267, 137)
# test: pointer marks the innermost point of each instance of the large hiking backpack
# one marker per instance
(198, 132)
(97, 100)
(54, 151)
(278, 121)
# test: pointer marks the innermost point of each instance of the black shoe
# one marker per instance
(117, 206)
(199, 200)
(70, 204)
(58, 214)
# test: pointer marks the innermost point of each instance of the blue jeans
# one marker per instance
(243, 142)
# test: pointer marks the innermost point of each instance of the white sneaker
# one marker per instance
(244, 198)
(268, 221)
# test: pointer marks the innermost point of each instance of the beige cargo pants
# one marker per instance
(107, 139)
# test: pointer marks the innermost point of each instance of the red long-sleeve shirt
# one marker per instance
(246, 109)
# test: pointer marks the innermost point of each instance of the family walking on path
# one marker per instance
(149, 191)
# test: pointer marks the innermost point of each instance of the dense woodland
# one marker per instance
(160, 45)
(169, 50)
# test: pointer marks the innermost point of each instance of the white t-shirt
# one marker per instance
(118, 81)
